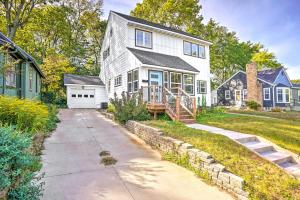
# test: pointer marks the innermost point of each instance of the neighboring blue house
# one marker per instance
(270, 88)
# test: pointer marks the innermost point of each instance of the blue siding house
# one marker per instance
(273, 86)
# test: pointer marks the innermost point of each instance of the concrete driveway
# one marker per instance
(71, 163)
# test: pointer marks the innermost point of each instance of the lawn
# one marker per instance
(294, 116)
(283, 132)
(263, 179)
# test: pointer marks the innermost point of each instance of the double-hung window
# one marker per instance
(118, 81)
(201, 87)
(143, 39)
(133, 81)
(176, 79)
(227, 94)
(245, 94)
(188, 83)
(267, 94)
(283, 95)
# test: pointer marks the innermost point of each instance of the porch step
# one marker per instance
(259, 147)
(187, 121)
(290, 166)
(245, 138)
(186, 117)
(277, 157)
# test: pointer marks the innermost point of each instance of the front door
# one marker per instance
(155, 84)
(238, 98)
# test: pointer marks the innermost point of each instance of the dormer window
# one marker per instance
(143, 39)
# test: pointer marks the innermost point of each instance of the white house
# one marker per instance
(85, 91)
(137, 53)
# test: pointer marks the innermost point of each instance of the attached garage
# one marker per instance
(85, 91)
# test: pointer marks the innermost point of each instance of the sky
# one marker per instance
(273, 23)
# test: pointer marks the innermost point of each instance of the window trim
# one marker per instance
(135, 39)
(131, 72)
(269, 90)
(193, 84)
(164, 79)
(118, 81)
(30, 78)
(244, 99)
(283, 94)
(227, 94)
(299, 96)
(199, 86)
(181, 80)
(191, 50)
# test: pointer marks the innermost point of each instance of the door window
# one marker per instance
(176, 79)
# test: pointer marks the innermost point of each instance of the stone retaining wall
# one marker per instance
(200, 160)
(108, 115)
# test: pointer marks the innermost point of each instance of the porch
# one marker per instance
(179, 105)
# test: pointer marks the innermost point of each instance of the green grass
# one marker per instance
(263, 179)
(283, 132)
(294, 116)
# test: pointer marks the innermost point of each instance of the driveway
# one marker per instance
(71, 163)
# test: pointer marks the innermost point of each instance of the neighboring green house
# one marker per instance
(20, 75)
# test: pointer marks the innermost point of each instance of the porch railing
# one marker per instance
(152, 94)
(187, 102)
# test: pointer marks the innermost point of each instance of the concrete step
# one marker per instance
(276, 157)
(296, 173)
(186, 117)
(290, 166)
(243, 138)
(259, 147)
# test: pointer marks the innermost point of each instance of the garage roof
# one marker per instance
(82, 80)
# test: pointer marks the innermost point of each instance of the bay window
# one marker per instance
(283, 95)
(143, 39)
(188, 83)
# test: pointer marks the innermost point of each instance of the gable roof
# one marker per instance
(296, 85)
(162, 60)
(269, 75)
(82, 80)
(24, 54)
(156, 25)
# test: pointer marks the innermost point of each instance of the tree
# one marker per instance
(297, 81)
(17, 13)
(265, 59)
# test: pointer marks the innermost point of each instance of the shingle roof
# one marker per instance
(296, 85)
(269, 75)
(82, 80)
(162, 60)
(156, 25)
(24, 54)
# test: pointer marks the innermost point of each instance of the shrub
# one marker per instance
(130, 107)
(277, 109)
(27, 115)
(253, 105)
(111, 108)
(17, 166)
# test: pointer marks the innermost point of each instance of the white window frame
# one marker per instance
(143, 45)
(299, 96)
(227, 93)
(241, 96)
(109, 85)
(269, 92)
(130, 83)
(166, 79)
(178, 84)
(201, 85)
(118, 81)
(284, 94)
(190, 84)
(200, 53)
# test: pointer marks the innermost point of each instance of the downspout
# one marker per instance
(273, 96)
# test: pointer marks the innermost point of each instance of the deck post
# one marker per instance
(194, 107)
(177, 108)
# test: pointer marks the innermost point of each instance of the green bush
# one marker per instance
(253, 105)
(28, 115)
(111, 108)
(17, 166)
(130, 107)
(52, 118)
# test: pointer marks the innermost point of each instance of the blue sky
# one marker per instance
(274, 23)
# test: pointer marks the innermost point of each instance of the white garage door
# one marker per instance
(81, 98)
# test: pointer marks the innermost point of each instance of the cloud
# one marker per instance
(293, 72)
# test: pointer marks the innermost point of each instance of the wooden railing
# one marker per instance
(187, 102)
(152, 94)
(171, 103)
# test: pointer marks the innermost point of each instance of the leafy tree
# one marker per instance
(296, 81)
(265, 59)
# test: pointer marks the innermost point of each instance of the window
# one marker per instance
(201, 87)
(187, 48)
(188, 83)
(111, 32)
(36, 82)
(86, 96)
(73, 95)
(192, 49)
(109, 85)
(10, 78)
(175, 81)
(245, 94)
(201, 51)
(92, 96)
(118, 81)
(267, 94)
(143, 38)
(299, 96)
(79, 95)
(227, 94)
(106, 53)
(283, 95)
(30, 78)
(166, 80)
(133, 81)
